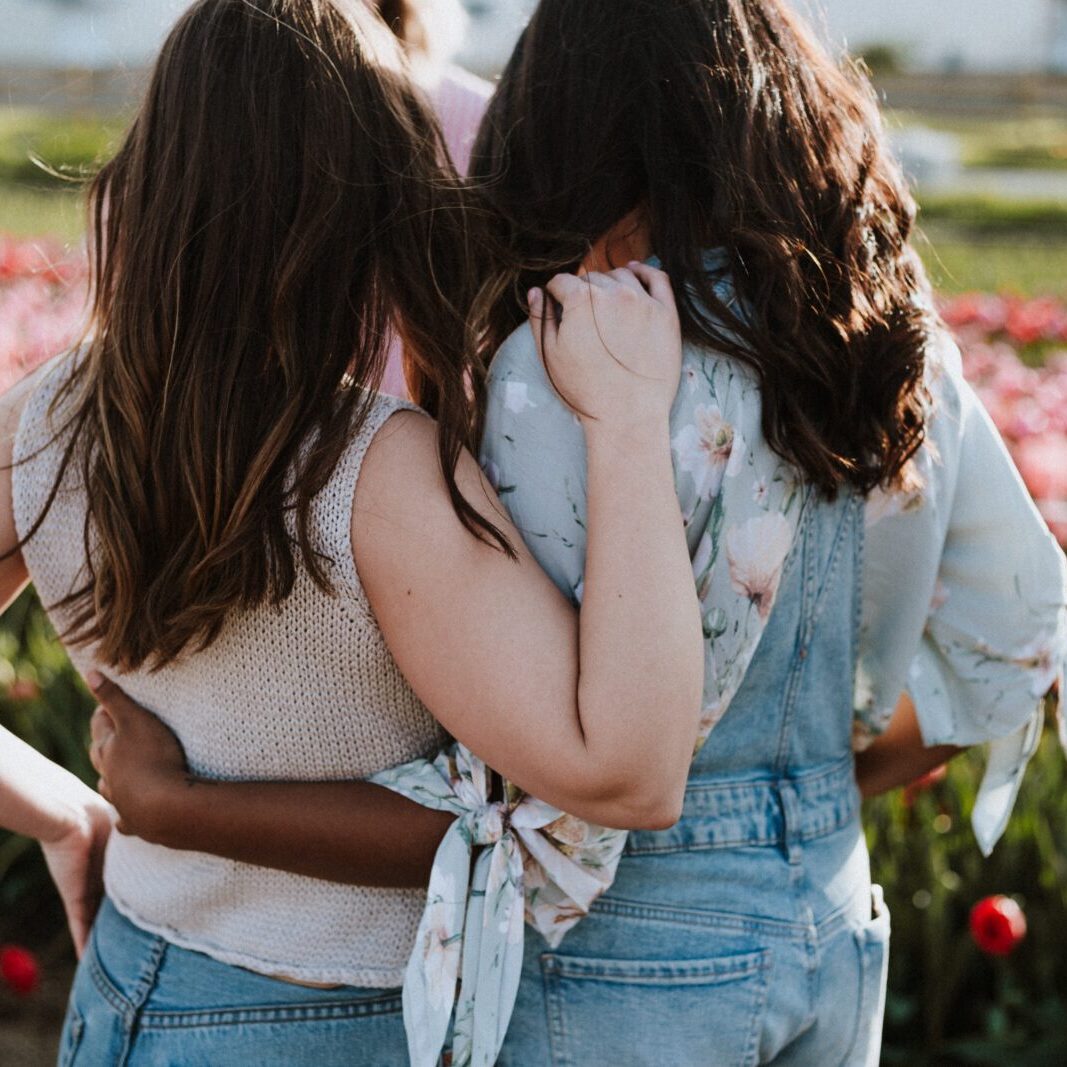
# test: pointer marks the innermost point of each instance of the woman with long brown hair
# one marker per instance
(219, 510)
(856, 531)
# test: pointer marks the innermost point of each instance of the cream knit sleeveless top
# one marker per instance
(306, 692)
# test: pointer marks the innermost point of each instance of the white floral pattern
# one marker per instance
(535, 864)
(757, 552)
(703, 448)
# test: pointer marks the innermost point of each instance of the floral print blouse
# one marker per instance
(965, 607)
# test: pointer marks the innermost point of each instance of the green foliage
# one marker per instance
(44, 159)
(883, 59)
(43, 701)
(992, 244)
(948, 1003)
(961, 262)
(996, 215)
(48, 150)
(37, 212)
(1018, 139)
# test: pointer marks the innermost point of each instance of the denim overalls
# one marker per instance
(748, 933)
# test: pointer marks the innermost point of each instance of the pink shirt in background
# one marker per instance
(460, 99)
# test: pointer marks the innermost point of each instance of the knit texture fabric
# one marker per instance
(304, 692)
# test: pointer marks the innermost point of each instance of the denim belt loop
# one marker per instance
(789, 804)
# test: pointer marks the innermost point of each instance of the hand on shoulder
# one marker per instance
(611, 343)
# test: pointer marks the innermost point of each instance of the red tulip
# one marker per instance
(19, 969)
(998, 925)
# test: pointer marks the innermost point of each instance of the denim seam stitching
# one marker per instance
(783, 929)
(859, 554)
(751, 1055)
(107, 990)
(72, 1038)
(556, 1030)
(177, 1020)
(862, 1007)
(839, 822)
(836, 552)
(799, 660)
(695, 970)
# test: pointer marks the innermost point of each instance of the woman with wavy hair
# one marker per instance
(218, 508)
(870, 571)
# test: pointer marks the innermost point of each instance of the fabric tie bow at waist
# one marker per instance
(535, 864)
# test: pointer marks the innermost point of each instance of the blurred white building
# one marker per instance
(94, 34)
(951, 35)
(990, 35)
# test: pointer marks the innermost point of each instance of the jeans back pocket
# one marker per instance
(647, 1013)
(872, 940)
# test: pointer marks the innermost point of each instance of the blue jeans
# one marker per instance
(707, 956)
(139, 1001)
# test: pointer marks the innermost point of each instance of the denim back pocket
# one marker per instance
(872, 941)
(634, 1013)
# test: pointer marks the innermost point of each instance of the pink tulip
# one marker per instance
(1042, 461)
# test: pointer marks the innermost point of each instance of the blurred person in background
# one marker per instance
(431, 32)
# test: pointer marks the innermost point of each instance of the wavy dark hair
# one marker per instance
(282, 201)
(730, 127)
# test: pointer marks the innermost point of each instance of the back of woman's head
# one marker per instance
(730, 126)
(281, 201)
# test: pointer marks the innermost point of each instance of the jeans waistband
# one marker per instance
(779, 811)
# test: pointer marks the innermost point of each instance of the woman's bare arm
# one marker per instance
(596, 716)
(355, 833)
(900, 755)
(350, 832)
(38, 798)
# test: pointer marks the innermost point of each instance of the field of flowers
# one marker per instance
(979, 962)
(42, 303)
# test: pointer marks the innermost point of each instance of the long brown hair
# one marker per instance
(731, 128)
(282, 200)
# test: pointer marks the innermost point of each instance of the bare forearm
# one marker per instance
(349, 832)
(38, 798)
(641, 643)
(900, 755)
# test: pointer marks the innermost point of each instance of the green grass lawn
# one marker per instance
(995, 245)
(960, 262)
(1030, 260)
(33, 144)
(1028, 141)
(29, 211)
